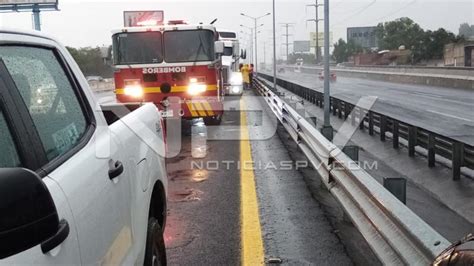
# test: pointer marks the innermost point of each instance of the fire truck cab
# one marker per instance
(176, 66)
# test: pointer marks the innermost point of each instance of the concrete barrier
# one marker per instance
(99, 86)
(456, 78)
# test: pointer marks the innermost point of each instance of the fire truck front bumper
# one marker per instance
(190, 109)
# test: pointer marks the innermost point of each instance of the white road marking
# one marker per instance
(452, 116)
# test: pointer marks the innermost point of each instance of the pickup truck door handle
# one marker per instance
(115, 170)
(58, 238)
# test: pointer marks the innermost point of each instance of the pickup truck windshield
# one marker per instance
(137, 48)
(189, 46)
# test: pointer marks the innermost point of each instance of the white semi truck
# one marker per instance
(230, 62)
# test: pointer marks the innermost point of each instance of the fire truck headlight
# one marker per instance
(135, 91)
(236, 89)
(195, 89)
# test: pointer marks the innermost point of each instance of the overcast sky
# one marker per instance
(89, 23)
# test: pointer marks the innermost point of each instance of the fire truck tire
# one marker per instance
(213, 120)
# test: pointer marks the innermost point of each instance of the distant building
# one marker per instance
(459, 54)
(363, 36)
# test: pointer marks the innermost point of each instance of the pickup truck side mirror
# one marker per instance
(29, 216)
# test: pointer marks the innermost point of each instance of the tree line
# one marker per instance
(425, 45)
(91, 61)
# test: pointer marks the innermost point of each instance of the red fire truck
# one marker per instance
(165, 63)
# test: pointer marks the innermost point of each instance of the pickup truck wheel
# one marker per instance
(155, 251)
(213, 121)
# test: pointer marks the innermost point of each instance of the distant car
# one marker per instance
(95, 78)
(78, 186)
(333, 76)
(281, 70)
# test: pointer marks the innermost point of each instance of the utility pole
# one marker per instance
(287, 35)
(316, 6)
(327, 128)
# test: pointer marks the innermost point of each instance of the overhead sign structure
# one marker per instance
(27, 2)
(312, 37)
(301, 46)
(29, 5)
(143, 18)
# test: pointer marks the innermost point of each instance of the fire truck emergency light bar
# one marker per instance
(143, 18)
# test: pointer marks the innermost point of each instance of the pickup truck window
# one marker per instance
(9, 155)
(48, 95)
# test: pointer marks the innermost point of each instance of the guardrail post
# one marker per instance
(412, 137)
(395, 134)
(334, 106)
(361, 119)
(383, 127)
(351, 152)
(346, 110)
(431, 150)
(397, 186)
(371, 123)
(457, 160)
(353, 115)
(339, 109)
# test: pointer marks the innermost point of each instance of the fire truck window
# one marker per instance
(189, 46)
(137, 48)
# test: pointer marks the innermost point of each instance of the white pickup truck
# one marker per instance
(79, 183)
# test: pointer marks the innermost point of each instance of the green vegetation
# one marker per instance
(425, 45)
(91, 62)
(342, 50)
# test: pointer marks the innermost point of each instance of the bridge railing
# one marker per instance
(395, 234)
(460, 154)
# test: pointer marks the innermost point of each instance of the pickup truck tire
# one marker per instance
(155, 251)
(213, 120)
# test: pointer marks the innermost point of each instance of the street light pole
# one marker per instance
(255, 19)
(274, 51)
(327, 128)
(251, 41)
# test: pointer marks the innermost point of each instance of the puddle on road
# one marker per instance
(200, 176)
(187, 195)
(199, 140)
(194, 175)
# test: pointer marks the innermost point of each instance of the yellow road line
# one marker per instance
(251, 234)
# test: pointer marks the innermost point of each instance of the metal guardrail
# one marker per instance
(395, 234)
(459, 153)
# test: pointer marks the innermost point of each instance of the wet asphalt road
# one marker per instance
(446, 111)
(204, 208)
(204, 220)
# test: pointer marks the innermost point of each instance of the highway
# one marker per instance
(445, 111)
(216, 210)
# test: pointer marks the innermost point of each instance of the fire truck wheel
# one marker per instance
(213, 120)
